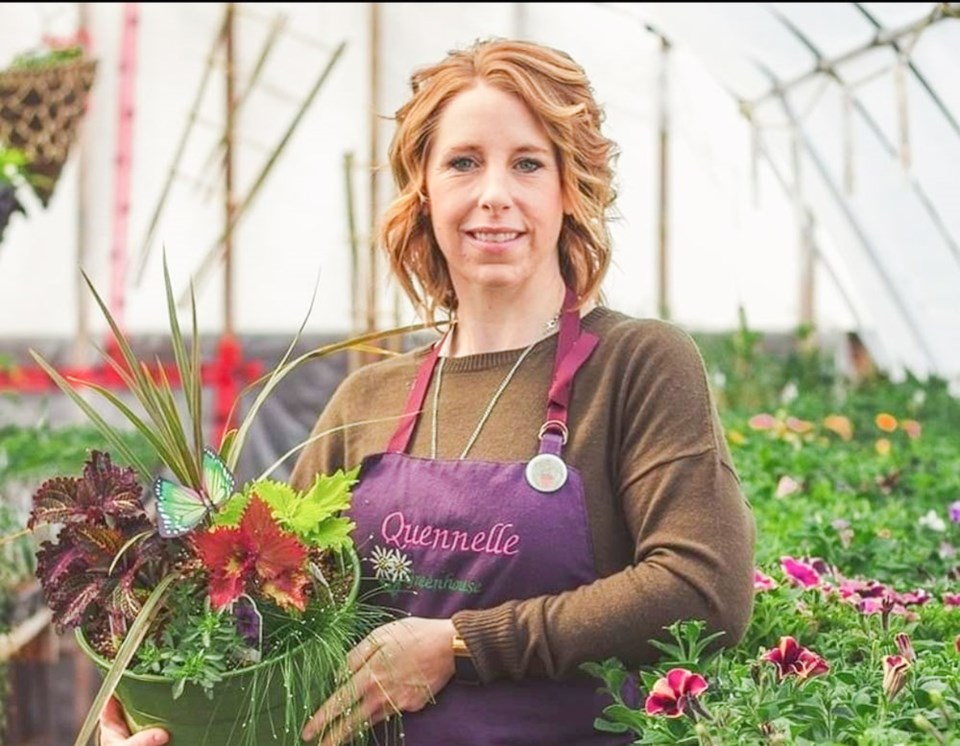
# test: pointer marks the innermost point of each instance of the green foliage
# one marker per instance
(858, 479)
(196, 645)
(33, 452)
(46, 57)
(314, 515)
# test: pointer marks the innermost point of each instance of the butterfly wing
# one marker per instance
(218, 481)
(179, 508)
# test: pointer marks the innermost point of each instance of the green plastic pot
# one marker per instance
(195, 720)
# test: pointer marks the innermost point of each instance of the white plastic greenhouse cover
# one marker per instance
(831, 126)
(893, 235)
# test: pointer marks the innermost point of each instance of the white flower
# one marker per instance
(787, 486)
(789, 393)
(932, 521)
(390, 565)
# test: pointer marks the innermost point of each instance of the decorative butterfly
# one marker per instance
(180, 509)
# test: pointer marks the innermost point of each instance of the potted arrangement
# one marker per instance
(222, 612)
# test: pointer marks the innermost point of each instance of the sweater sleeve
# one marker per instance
(691, 528)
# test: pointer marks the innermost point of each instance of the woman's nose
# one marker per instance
(494, 190)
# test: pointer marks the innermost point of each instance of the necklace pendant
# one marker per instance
(546, 472)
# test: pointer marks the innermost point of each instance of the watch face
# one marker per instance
(464, 671)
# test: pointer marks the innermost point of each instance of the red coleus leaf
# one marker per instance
(256, 554)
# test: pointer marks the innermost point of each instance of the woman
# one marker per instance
(558, 489)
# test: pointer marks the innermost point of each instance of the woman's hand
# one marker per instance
(398, 667)
(114, 731)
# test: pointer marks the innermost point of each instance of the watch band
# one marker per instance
(464, 671)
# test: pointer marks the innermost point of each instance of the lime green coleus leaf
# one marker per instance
(334, 533)
(314, 515)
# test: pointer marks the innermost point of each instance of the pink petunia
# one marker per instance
(800, 573)
(792, 659)
(762, 421)
(951, 599)
(763, 582)
(671, 694)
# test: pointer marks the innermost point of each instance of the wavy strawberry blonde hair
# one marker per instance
(557, 91)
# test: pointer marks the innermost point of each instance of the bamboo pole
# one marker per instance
(663, 196)
(273, 35)
(82, 340)
(228, 197)
(178, 156)
(354, 246)
(215, 252)
(372, 267)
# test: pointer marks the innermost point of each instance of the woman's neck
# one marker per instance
(492, 324)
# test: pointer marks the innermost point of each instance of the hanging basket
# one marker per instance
(40, 112)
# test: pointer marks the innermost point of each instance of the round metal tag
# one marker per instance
(546, 472)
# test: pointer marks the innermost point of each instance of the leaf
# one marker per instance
(230, 513)
(56, 501)
(282, 498)
(333, 533)
(227, 555)
(331, 494)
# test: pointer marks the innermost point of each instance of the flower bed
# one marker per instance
(855, 636)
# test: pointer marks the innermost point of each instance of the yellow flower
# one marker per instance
(736, 437)
(883, 446)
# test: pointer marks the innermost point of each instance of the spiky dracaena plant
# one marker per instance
(110, 564)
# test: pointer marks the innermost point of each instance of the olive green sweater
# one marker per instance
(672, 534)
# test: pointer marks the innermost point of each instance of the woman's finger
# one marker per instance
(353, 722)
(114, 731)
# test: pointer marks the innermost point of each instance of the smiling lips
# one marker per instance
(493, 236)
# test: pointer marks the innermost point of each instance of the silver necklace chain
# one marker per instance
(551, 325)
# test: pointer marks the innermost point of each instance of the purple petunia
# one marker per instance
(954, 511)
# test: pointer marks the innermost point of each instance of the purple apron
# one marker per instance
(458, 534)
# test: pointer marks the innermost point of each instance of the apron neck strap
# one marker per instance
(573, 348)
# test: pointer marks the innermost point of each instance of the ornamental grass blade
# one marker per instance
(323, 434)
(149, 433)
(189, 376)
(108, 432)
(281, 371)
(135, 635)
(233, 453)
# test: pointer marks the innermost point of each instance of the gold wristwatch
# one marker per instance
(464, 670)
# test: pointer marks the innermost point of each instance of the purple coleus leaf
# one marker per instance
(90, 574)
(103, 492)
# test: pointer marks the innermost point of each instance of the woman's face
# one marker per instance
(494, 194)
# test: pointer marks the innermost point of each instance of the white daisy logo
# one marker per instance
(390, 565)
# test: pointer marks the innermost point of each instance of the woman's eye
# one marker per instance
(529, 164)
(461, 163)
